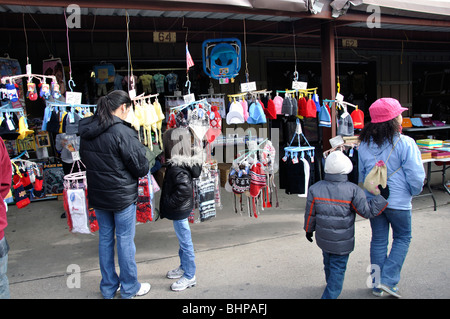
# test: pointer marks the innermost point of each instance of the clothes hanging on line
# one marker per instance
(146, 118)
(207, 197)
(351, 151)
(13, 123)
(217, 100)
(58, 116)
(297, 165)
(251, 178)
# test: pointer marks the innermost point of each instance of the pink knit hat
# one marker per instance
(385, 109)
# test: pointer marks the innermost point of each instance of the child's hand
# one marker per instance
(384, 191)
(309, 237)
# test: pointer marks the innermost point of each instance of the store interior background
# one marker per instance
(372, 70)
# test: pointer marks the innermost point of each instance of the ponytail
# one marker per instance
(107, 104)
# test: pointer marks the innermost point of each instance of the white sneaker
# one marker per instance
(183, 283)
(145, 288)
(175, 273)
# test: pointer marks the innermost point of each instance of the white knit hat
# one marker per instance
(338, 163)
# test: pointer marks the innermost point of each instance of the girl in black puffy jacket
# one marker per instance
(177, 199)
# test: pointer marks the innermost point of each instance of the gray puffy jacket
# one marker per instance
(330, 212)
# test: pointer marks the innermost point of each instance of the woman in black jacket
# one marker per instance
(177, 200)
(114, 159)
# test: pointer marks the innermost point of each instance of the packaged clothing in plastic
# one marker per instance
(76, 200)
(144, 211)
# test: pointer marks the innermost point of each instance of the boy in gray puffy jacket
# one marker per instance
(330, 212)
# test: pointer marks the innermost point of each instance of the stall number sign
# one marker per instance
(349, 43)
(164, 37)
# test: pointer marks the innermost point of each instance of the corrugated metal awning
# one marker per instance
(425, 9)
(270, 10)
(440, 8)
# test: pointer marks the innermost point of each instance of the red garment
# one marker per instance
(358, 119)
(310, 110)
(301, 107)
(5, 184)
(270, 110)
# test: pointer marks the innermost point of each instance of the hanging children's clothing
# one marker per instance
(352, 154)
(324, 116)
(159, 82)
(296, 165)
(146, 81)
(206, 198)
(172, 80)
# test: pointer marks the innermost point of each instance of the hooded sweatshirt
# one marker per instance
(114, 159)
(407, 181)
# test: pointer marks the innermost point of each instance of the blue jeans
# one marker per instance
(4, 283)
(334, 266)
(186, 251)
(390, 265)
(123, 225)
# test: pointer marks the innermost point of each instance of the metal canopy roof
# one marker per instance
(144, 13)
(212, 18)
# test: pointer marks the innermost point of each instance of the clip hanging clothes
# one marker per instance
(293, 150)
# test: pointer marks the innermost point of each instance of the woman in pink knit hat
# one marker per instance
(381, 139)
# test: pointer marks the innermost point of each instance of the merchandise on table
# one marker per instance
(429, 142)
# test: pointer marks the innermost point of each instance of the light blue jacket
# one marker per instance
(406, 182)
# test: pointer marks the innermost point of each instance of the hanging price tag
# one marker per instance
(75, 156)
(339, 97)
(189, 98)
(132, 93)
(247, 87)
(297, 85)
(73, 98)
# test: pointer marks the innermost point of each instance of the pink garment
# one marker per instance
(385, 109)
(245, 109)
(278, 102)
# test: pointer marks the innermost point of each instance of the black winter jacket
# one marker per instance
(114, 159)
(177, 193)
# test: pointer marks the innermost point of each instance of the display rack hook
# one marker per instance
(71, 82)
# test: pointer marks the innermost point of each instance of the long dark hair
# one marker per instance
(107, 104)
(378, 133)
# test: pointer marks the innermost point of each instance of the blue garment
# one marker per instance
(334, 267)
(123, 225)
(389, 265)
(256, 114)
(186, 251)
(4, 283)
(171, 80)
(406, 182)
